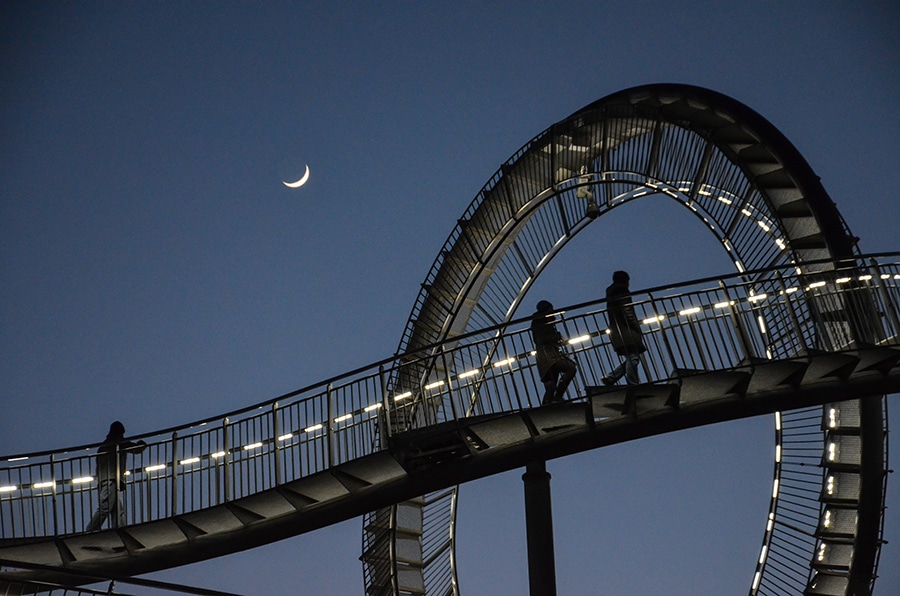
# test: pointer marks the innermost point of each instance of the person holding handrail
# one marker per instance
(624, 330)
(556, 370)
(111, 462)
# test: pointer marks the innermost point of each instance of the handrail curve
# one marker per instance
(713, 324)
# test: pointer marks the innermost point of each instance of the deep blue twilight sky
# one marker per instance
(154, 269)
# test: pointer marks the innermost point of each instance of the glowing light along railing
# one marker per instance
(753, 299)
(464, 375)
(736, 309)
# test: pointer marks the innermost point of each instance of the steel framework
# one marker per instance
(805, 321)
(727, 165)
(307, 459)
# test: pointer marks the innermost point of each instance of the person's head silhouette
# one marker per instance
(544, 306)
(621, 277)
(117, 429)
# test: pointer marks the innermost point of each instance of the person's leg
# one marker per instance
(615, 375)
(107, 491)
(631, 369)
(119, 504)
(568, 368)
(549, 388)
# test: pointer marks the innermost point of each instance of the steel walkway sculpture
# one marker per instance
(807, 329)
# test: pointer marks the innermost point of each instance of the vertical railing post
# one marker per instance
(116, 496)
(792, 314)
(53, 488)
(743, 337)
(226, 475)
(662, 333)
(701, 345)
(174, 491)
(509, 380)
(422, 392)
(69, 525)
(148, 496)
(572, 352)
(449, 383)
(276, 432)
(384, 421)
(889, 306)
(329, 427)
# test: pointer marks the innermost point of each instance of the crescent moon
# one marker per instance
(300, 182)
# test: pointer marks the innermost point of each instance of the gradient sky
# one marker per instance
(154, 269)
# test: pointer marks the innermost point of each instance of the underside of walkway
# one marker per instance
(459, 451)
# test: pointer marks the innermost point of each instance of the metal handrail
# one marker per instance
(708, 324)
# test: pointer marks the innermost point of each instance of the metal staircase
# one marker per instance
(742, 179)
(805, 321)
(307, 460)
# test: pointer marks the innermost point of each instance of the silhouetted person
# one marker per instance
(624, 330)
(111, 461)
(556, 370)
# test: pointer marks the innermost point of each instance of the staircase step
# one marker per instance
(617, 400)
(838, 523)
(770, 374)
(841, 488)
(712, 385)
(829, 364)
(557, 417)
(501, 431)
(835, 557)
(824, 583)
(880, 358)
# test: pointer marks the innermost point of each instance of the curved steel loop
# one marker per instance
(724, 162)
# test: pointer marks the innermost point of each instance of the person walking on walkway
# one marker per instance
(556, 370)
(111, 461)
(624, 330)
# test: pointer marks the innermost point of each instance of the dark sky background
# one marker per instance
(154, 269)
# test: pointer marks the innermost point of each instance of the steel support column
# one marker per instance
(539, 530)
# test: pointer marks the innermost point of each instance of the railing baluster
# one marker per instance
(385, 417)
(226, 460)
(710, 338)
(53, 489)
(174, 488)
(743, 337)
(889, 305)
(792, 313)
(449, 381)
(662, 333)
(329, 428)
(276, 432)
